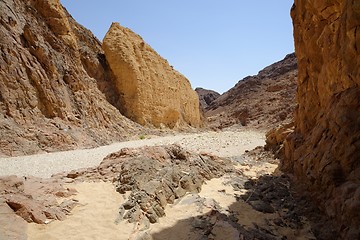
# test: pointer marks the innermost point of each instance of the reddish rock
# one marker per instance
(35, 200)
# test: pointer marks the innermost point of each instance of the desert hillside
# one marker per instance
(263, 101)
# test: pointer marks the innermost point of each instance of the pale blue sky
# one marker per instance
(213, 43)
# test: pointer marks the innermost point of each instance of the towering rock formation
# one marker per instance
(152, 92)
(324, 150)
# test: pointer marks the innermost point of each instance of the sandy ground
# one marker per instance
(96, 216)
(223, 144)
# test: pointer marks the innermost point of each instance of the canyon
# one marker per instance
(62, 89)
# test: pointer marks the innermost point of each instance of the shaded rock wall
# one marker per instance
(324, 150)
(151, 91)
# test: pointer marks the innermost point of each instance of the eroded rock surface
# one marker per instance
(263, 100)
(56, 89)
(206, 97)
(151, 91)
(324, 150)
(35, 199)
(155, 176)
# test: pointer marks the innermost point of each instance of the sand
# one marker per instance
(96, 216)
(94, 219)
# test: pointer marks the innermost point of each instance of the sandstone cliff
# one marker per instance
(263, 100)
(324, 150)
(151, 91)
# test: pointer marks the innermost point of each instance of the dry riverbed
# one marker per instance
(246, 203)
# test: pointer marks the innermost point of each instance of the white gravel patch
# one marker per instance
(223, 144)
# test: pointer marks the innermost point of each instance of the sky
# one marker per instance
(212, 43)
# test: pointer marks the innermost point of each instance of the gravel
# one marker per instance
(224, 144)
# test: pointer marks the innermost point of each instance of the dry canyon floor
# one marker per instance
(251, 202)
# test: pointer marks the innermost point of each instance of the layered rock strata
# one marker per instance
(152, 93)
(324, 150)
(56, 89)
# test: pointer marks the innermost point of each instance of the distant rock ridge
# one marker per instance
(261, 101)
(206, 97)
(151, 91)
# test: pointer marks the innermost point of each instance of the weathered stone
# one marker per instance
(324, 150)
(206, 97)
(56, 88)
(262, 206)
(35, 200)
(151, 91)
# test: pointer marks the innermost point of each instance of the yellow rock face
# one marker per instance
(151, 91)
(324, 150)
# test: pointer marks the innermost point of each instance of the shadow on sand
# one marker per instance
(270, 209)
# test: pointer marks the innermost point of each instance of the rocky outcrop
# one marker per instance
(324, 150)
(206, 97)
(156, 176)
(151, 92)
(264, 100)
(37, 200)
(56, 89)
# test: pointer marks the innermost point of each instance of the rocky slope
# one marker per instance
(57, 90)
(263, 100)
(206, 97)
(324, 150)
(151, 91)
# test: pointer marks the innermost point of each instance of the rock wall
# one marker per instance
(324, 150)
(152, 92)
(56, 89)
